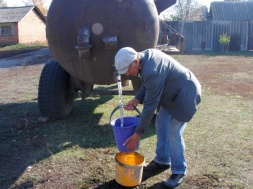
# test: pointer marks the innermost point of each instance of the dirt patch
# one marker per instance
(228, 74)
(19, 78)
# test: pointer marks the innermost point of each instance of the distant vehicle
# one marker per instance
(84, 36)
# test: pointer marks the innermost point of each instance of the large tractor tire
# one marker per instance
(55, 94)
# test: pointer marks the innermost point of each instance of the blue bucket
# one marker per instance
(123, 133)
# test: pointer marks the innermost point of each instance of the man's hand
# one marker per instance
(131, 104)
(132, 142)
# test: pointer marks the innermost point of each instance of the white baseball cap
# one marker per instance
(124, 58)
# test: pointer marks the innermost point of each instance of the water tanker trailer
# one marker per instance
(84, 36)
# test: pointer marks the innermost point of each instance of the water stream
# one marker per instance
(120, 101)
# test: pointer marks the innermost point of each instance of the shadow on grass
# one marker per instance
(114, 185)
(25, 141)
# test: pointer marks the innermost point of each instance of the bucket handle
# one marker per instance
(118, 107)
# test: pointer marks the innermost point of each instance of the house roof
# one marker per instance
(15, 14)
(231, 11)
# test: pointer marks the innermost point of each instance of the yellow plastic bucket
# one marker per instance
(129, 168)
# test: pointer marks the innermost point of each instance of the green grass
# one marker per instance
(16, 47)
(79, 151)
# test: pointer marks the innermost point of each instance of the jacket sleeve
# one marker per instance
(141, 94)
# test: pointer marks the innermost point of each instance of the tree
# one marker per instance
(38, 3)
(205, 14)
(197, 12)
(182, 10)
(186, 10)
(3, 3)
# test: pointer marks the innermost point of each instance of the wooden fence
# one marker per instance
(204, 35)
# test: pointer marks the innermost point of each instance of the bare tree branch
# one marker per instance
(3, 3)
(38, 3)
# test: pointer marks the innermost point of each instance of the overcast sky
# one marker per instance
(20, 2)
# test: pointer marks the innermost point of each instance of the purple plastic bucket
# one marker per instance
(122, 133)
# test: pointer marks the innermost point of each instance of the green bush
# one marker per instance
(224, 41)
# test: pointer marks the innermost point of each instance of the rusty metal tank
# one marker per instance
(84, 36)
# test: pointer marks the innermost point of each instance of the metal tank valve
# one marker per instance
(83, 45)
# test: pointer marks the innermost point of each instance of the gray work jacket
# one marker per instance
(167, 83)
